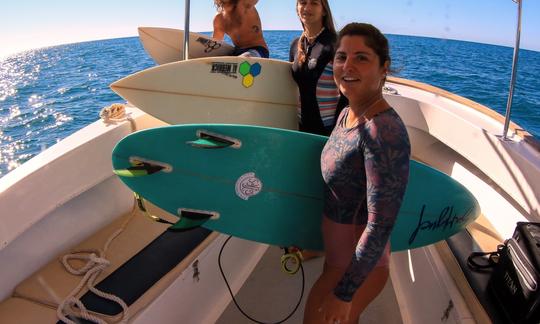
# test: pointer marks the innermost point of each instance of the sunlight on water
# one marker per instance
(47, 94)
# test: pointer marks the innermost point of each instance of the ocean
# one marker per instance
(47, 94)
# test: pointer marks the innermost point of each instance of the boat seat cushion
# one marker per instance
(53, 280)
(52, 283)
(133, 254)
(18, 310)
(139, 281)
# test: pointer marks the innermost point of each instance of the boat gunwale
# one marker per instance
(515, 128)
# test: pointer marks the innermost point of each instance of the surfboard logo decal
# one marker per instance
(209, 44)
(449, 220)
(248, 185)
(249, 72)
(228, 69)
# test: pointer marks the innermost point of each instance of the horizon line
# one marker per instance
(8, 55)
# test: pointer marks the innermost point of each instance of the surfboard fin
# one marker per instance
(139, 169)
(190, 218)
(208, 144)
(209, 140)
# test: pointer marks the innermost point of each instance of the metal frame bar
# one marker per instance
(514, 72)
(185, 53)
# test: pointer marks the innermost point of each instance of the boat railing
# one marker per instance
(185, 53)
(514, 72)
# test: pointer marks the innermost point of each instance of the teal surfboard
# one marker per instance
(265, 184)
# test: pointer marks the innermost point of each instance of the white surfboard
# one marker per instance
(229, 89)
(165, 45)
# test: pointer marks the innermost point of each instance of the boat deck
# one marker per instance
(269, 295)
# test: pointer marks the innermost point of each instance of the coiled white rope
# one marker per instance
(113, 113)
(96, 263)
(91, 270)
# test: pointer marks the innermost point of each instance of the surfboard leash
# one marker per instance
(292, 255)
(240, 308)
(142, 208)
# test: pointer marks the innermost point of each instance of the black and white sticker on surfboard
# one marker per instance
(248, 185)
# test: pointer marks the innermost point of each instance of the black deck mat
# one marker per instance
(131, 280)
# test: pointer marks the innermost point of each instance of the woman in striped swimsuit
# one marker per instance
(312, 56)
(365, 166)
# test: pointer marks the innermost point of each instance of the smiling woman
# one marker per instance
(360, 68)
(365, 165)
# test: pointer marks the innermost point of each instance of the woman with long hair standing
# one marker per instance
(312, 55)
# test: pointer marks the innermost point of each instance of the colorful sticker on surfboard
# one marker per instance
(248, 185)
(248, 71)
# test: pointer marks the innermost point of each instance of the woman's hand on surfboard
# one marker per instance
(335, 311)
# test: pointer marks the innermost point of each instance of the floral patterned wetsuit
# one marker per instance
(366, 169)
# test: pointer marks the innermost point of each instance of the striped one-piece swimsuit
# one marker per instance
(320, 101)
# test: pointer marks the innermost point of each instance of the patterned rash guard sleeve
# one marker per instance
(386, 151)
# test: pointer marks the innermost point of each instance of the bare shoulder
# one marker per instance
(218, 18)
(249, 4)
(219, 27)
(219, 21)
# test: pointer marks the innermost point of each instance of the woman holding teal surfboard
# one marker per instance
(365, 166)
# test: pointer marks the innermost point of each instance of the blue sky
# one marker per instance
(27, 24)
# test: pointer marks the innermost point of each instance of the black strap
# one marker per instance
(490, 259)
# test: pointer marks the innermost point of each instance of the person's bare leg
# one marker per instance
(319, 290)
(326, 283)
(371, 288)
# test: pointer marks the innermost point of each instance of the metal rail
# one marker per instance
(514, 73)
(185, 53)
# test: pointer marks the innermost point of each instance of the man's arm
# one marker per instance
(219, 30)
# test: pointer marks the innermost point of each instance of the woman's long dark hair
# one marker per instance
(373, 38)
